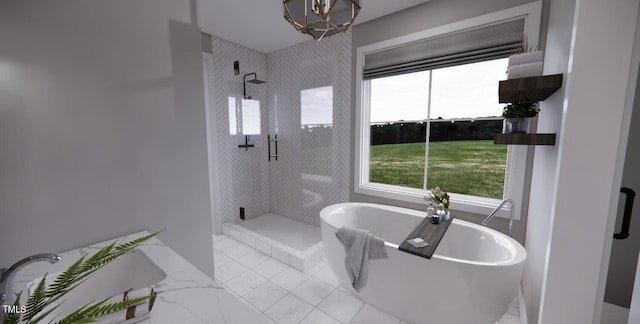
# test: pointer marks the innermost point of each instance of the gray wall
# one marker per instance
(425, 16)
(102, 126)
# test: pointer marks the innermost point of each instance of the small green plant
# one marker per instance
(521, 109)
(44, 296)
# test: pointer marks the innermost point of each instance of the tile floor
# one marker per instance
(283, 295)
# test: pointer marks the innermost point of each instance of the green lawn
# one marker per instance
(467, 167)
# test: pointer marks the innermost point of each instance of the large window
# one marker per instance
(443, 119)
(427, 111)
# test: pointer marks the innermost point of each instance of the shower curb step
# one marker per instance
(300, 260)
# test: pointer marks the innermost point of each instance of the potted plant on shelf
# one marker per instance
(517, 115)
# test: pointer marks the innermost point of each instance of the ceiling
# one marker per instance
(259, 24)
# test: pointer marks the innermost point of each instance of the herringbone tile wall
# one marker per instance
(244, 174)
(312, 170)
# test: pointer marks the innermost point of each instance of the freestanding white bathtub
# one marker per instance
(472, 277)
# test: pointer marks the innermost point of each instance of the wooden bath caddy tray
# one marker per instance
(431, 233)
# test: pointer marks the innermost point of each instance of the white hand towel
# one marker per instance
(524, 58)
(524, 70)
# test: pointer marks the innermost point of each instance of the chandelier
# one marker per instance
(321, 19)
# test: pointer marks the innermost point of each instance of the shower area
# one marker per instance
(281, 125)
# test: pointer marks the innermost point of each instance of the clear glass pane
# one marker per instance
(316, 107)
(250, 117)
(465, 115)
(399, 110)
(316, 121)
(233, 118)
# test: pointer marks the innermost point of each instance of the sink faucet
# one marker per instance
(7, 295)
(493, 213)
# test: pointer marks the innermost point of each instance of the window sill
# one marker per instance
(471, 204)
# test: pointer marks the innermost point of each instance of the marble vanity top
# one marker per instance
(187, 295)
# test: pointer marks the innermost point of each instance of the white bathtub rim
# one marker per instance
(519, 253)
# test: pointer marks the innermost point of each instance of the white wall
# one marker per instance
(588, 174)
(102, 126)
(558, 44)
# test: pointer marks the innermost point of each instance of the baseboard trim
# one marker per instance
(522, 307)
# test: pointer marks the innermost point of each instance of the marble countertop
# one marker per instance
(187, 295)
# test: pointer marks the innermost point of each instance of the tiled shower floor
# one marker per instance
(283, 295)
(297, 235)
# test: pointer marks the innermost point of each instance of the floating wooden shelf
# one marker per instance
(537, 88)
(525, 139)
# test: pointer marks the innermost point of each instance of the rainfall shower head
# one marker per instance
(254, 81)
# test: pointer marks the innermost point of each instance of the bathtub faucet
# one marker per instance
(493, 213)
(7, 295)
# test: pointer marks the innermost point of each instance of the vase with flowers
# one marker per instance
(441, 198)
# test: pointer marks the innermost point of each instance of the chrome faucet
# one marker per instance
(7, 295)
(493, 213)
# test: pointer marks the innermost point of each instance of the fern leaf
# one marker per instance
(109, 253)
(35, 302)
(99, 255)
(116, 307)
(85, 321)
(40, 316)
(13, 318)
(90, 312)
(70, 279)
(64, 280)
(126, 247)
(81, 313)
